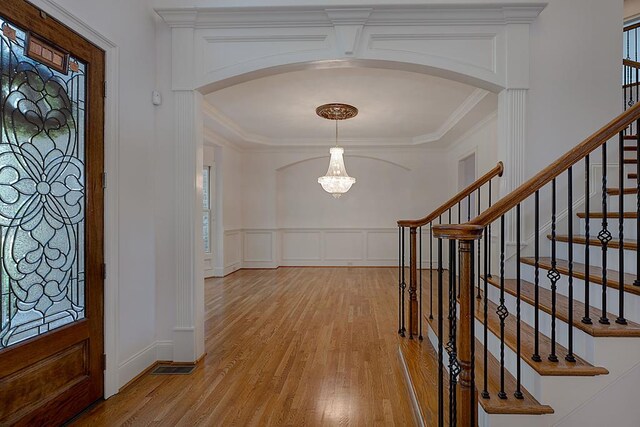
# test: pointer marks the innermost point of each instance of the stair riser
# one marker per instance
(629, 202)
(543, 388)
(595, 256)
(630, 226)
(530, 378)
(583, 343)
(632, 301)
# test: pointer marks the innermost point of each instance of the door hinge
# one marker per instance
(104, 271)
(104, 362)
(104, 180)
(104, 89)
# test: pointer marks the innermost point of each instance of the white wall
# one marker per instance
(575, 76)
(130, 26)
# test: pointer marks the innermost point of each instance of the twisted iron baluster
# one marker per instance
(604, 236)
(502, 311)
(553, 274)
(587, 228)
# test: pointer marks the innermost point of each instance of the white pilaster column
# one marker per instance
(511, 146)
(188, 333)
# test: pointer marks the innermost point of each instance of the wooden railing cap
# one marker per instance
(458, 231)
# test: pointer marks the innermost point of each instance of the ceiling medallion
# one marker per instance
(336, 182)
(337, 111)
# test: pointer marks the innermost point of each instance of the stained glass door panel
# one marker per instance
(42, 190)
(51, 219)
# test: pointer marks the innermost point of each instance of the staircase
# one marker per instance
(531, 308)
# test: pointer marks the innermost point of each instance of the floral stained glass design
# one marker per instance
(42, 192)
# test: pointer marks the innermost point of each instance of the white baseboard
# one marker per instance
(231, 268)
(136, 364)
(133, 366)
(164, 350)
(260, 264)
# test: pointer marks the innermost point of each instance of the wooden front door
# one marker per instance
(51, 218)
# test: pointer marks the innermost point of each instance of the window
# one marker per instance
(206, 208)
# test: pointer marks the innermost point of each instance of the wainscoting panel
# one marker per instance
(301, 245)
(260, 249)
(382, 245)
(232, 250)
(288, 247)
(343, 246)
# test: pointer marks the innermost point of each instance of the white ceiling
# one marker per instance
(396, 108)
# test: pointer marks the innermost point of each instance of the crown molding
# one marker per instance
(455, 117)
(314, 16)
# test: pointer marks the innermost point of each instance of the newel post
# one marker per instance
(413, 280)
(467, 394)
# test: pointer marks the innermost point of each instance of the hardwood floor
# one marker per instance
(292, 347)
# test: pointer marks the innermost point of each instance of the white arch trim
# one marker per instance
(483, 43)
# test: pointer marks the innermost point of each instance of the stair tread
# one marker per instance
(630, 161)
(420, 363)
(595, 273)
(596, 329)
(631, 147)
(545, 367)
(615, 215)
(616, 191)
(494, 405)
(632, 175)
(581, 239)
(631, 137)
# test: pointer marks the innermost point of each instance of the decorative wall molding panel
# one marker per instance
(322, 247)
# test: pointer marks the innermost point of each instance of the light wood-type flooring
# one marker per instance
(291, 347)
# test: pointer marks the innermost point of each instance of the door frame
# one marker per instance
(111, 149)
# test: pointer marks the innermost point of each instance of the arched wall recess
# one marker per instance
(484, 43)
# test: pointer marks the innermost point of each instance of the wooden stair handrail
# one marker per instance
(630, 63)
(496, 171)
(473, 229)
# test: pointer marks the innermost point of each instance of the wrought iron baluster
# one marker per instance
(536, 281)
(479, 252)
(400, 280)
(420, 294)
(553, 274)
(485, 388)
(403, 286)
(570, 357)
(457, 261)
(518, 393)
(489, 239)
(440, 338)
(454, 366)
(431, 271)
(604, 236)
(502, 311)
(587, 228)
(621, 320)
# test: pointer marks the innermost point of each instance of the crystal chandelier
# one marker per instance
(336, 181)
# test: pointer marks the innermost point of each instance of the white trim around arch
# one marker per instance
(485, 44)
